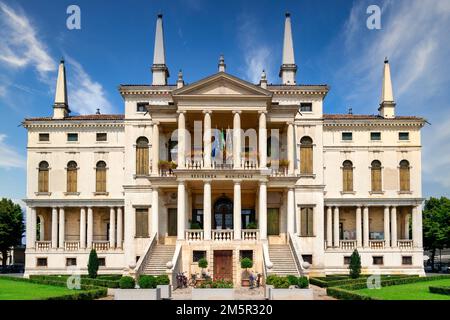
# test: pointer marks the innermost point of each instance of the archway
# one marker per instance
(223, 213)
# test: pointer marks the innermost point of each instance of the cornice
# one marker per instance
(73, 124)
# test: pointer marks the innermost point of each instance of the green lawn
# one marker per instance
(412, 291)
(18, 290)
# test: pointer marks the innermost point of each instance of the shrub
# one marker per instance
(246, 263)
(252, 225)
(219, 283)
(271, 279)
(203, 263)
(147, 282)
(303, 282)
(93, 264)
(293, 280)
(162, 280)
(127, 283)
(440, 290)
(355, 265)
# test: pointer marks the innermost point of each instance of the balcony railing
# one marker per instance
(250, 234)
(43, 245)
(100, 245)
(376, 244)
(405, 244)
(71, 245)
(222, 235)
(279, 172)
(348, 244)
(194, 235)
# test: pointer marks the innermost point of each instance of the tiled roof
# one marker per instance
(365, 117)
(87, 117)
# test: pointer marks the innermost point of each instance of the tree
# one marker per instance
(93, 264)
(436, 225)
(355, 265)
(11, 227)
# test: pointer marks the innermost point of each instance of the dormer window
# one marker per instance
(306, 107)
(141, 107)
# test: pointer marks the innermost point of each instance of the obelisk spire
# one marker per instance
(159, 68)
(61, 105)
(387, 105)
(288, 67)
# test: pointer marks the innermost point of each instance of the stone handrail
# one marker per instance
(250, 234)
(174, 266)
(194, 235)
(266, 260)
(71, 245)
(376, 244)
(100, 245)
(405, 244)
(222, 235)
(295, 249)
(140, 265)
(43, 245)
(348, 244)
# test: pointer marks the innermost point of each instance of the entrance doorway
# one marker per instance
(172, 222)
(223, 265)
(273, 222)
(223, 213)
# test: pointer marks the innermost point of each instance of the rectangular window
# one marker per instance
(407, 260)
(347, 136)
(246, 254)
(377, 261)
(142, 223)
(346, 261)
(306, 107)
(307, 258)
(71, 262)
(72, 137)
(197, 218)
(44, 137)
(197, 255)
(141, 106)
(102, 137)
(101, 262)
(375, 136)
(41, 262)
(403, 136)
(248, 220)
(306, 223)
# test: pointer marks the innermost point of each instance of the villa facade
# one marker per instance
(224, 169)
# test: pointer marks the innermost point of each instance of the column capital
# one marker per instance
(207, 181)
(207, 111)
(181, 111)
(290, 123)
(262, 183)
(262, 111)
(237, 111)
(181, 182)
(155, 123)
(237, 181)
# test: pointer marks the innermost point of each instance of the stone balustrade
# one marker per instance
(100, 245)
(348, 244)
(43, 245)
(194, 235)
(71, 245)
(222, 235)
(250, 234)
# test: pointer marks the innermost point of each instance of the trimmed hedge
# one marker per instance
(284, 282)
(326, 283)
(127, 283)
(98, 282)
(440, 290)
(86, 292)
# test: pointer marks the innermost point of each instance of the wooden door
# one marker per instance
(273, 222)
(172, 222)
(223, 265)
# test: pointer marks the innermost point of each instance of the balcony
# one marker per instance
(43, 245)
(405, 244)
(377, 244)
(100, 245)
(221, 235)
(71, 245)
(348, 245)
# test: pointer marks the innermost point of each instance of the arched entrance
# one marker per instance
(223, 213)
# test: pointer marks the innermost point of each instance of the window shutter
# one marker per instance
(404, 178)
(304, 222)
(310, 221)
(306, 159)
(376, 179)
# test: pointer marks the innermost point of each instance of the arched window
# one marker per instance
(306, 155)
(100, 177)
(72, 176)
(376, 176)
(43, 177)
(405, 184)
(142, 156)
(347, 175)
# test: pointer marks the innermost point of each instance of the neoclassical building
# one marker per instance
(224, 169)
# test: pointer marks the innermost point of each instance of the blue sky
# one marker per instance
(331, 41)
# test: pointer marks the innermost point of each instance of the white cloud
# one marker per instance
(9, 157)
(85, 94)
(20, 46)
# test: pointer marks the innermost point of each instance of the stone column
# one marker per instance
(387, 234)
(62, 227)
(262, 139)
(290, 211)
(155, 149)
(329, 227)
(207, 140)
(207, 209)
(394, 227)
(119, 237)
(290, 147)
(237, 210)
(366, 226)
(90, 227)
(82, 228)
(336, 227)
(263, 210)
(112, 227)
(417, 226)
(54, 227)
(237, 139)
(181, 140)
(31, 227)
(155, 211)
(181, 210)
(358, 227)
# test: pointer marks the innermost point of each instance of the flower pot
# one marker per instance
(245, 283)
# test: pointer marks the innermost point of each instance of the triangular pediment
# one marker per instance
(222, 84)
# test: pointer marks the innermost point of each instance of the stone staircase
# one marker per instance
(159, 256)
(283, 260)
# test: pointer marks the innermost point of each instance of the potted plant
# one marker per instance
(283, 163)
(163, 165)
(203, 264)
(251, 225)
(246, 263)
